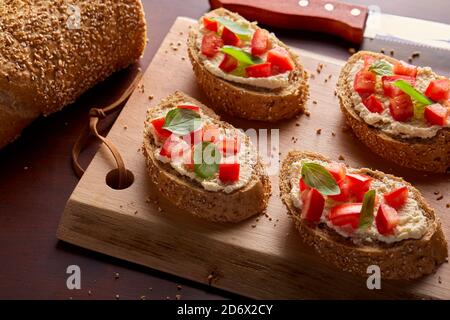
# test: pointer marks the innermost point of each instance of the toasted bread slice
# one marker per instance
(190, 195)
(431, 154)
(245, 101)
(406, 259)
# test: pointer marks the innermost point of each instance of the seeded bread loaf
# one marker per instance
(188, 194)
(407, 259)
(53, 51)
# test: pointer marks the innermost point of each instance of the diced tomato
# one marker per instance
(281, 60)
(313, 205)
(228, 64)
(194, 137)
(438, 90)
(211, 133)
(303, 185)
(401, 108)
(174, 147)
(386, 219)
(405, 69)
(346, 214)
(229, 172)
(392, 91)
(230, 38)
(396, 198)
(211, 44)
(260, 42)
(364, 82)
(344, 187)
(189, 107)
(262, 70)
(337, 170)
(162, 134)
(210, 24)
(436, 114)
(359, 184)
(230, 146)
(368, 61)
(373, 104)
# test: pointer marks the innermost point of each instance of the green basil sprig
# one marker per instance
(407, 88)
(381, 68)
(317, 177)
(366, 215)
(206, 160)
(182, 121)
(242, 31)
(241, 55)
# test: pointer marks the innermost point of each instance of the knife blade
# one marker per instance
(365, 27)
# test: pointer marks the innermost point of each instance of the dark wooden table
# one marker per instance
(36, 180)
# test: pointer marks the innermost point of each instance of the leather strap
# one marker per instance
(95, 116)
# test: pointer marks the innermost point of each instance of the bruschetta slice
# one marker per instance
(400, 111)
(355, 218)
(201, 164)
(244, 70)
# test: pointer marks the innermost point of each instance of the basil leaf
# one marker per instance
(366, 215)
(206, 159)
(182, 121)
(381, 68)
(241, 55)
(317, 177)
(407, 88)
(243, 32)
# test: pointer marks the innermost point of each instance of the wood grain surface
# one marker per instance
(36, 180)
(137, 225)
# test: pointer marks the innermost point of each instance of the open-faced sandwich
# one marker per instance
(400, 111)
(201, 164)
(244, 70)
(355, 218)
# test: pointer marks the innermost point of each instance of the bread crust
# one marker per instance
(407, 259)
(190, 195)
(46, 64)
(250, 102)
(431, 155)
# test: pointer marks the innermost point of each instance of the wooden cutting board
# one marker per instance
(261, 257)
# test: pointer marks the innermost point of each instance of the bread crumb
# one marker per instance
(25, 168)
(117, 297)
(307, 113)
(392, 52)
(90, 293)
(382, 50)
(210, 278)
(125, 127)
(314, 102)
(297, 124)
(439, 279)
(436, 193)
(415, 54)
(341, 157)
(333, 134)
(253, 225)
(351, 50)
(440, 198)
(151, 97)
(179, 287)
(410, 60)
(178, 296)
(143, 298)
(448, 205)
(116, 275)
(318, 131)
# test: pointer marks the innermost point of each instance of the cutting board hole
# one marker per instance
(112, 180)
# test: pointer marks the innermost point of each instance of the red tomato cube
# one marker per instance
(229, 172)
(189, 107)
(162, 134)
(391, 90)
(174, 148)
(313, 205)
(405, 69)
(281, 60)
(337, 170)
(401, 108)
(210, 24)
(346, 214)
(369, 61)
(359, 183)
(373, 104)
(344, 187)
(228, 64)
(386, 219)
(438, 90)
(211, 44)
(262, 70)
(396, 198)
(230, 38)
(436, 114)
(303, 186)
(260, 42)
(364, 82)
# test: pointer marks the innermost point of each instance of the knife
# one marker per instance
(414, 40)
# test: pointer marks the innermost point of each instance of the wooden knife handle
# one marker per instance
(328, 16)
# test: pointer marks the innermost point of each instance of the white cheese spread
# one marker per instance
(412, 222)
